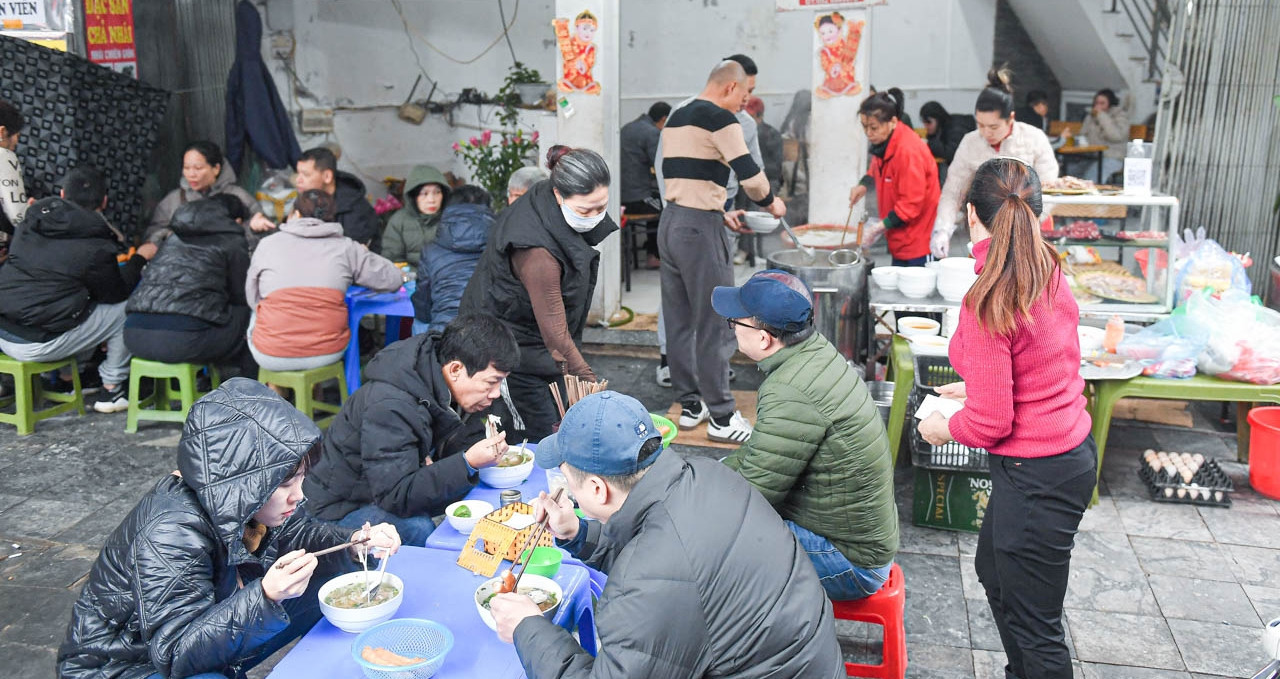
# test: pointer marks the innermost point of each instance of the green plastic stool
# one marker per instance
(158, 406)
(301, 383)
(904, 379)
(28, 393)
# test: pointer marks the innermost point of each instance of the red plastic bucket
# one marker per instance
(1264, 451)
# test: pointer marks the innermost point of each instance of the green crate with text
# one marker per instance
(950, 500)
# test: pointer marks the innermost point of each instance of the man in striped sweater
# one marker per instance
(701, 143)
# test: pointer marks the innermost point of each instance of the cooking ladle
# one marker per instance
(808, 251)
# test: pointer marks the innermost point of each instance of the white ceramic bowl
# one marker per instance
(953, 288)
(929, 345)
(530, 580)
(1090, 339)
(886, 277)
(508, 477)
(911, 326)
(464, 525)
(760, 222)
(360, 619)
(916, 282)
(964, 264)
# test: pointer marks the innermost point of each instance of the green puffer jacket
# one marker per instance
(409, 230)
(819, 452)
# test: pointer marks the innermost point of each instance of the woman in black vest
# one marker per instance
(538, 275)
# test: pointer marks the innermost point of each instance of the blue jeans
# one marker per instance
(413, 530)
(842, 580)
(419, 327)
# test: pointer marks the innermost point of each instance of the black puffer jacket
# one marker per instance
(396, 442)
(359, 220)
(200, 269)
(61, 262)
(163, 595)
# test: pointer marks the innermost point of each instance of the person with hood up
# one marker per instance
(204, 174)
(318, 170)
(297, 284)
(396, 451)
(190, 307)
(447, 264)
(538, 275)
(62, 292)
(186, 585)
(413, 226)
(943, 130)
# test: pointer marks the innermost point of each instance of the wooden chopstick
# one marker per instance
(555, 393)
(531, 543)
(330, 550)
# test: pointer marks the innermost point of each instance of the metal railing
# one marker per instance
(1151, 23)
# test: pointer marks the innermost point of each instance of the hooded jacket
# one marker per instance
(255, 114)
(358, 219)
(200, 270)
(61, 263)
(448, 263)
(704, 581)
(163, 594)
(535, 221)
(409, 229)
(159, 227)
(394, 443)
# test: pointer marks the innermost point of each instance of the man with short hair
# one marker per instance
(819, 452)
(639, 152)
(394, 453)
(522, 180)
(62, 291)
(318, 169)
(704, 580)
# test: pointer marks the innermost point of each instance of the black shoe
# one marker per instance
(693, 414)
(112, 400)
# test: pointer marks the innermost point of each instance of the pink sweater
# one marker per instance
(1025, 394)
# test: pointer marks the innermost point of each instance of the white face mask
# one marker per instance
(970, 244)
(577, 222)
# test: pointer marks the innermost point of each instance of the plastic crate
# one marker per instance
(934, 371)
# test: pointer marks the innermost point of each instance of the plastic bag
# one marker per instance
(1168, 348)
(1244, 338)
(1206, 266)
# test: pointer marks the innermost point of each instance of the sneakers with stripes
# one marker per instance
(736, 430)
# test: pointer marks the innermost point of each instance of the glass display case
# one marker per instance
(1117, 250)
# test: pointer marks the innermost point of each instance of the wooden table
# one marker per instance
(1094, 150)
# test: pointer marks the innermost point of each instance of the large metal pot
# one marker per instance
(839, 283)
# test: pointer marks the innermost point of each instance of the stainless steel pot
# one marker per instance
(838, 280)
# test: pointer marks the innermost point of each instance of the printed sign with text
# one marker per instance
(109, 34)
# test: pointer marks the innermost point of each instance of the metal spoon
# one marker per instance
(372, 592)
(808, 251)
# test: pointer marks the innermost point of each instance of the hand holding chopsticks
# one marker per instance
(285, 562)
(510, 579)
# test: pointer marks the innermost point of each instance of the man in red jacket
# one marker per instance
(906, 179)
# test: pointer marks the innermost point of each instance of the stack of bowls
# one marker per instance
(955, 277)
(916, 282)
(886, 277)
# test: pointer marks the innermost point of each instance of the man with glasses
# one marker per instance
(818, 453)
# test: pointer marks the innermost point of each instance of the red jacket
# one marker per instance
(907, 192)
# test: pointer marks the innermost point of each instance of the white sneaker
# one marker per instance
(736, 431)
(690, 418)
(112, 401)
(664, 376)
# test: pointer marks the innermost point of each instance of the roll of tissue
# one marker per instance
(1271, 639)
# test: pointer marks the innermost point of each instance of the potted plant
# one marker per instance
(492, 161)
(525, 84)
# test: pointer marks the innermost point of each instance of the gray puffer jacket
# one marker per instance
(704, 581)
(164, 595)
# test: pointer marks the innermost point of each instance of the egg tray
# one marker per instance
(1209, 475)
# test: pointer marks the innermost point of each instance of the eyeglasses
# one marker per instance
(734, 321)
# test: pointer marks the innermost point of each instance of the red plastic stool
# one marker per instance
(884, 608)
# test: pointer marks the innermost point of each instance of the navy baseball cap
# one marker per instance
(777, 298)
(601, 434)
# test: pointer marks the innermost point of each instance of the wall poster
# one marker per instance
(108, 28)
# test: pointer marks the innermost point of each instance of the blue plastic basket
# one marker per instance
(409, 637)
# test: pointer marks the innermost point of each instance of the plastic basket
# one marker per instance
(408, 637)
(935, 371)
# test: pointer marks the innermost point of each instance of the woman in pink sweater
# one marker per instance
(1017, 350)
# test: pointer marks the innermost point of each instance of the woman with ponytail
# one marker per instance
(998, 134)
(1017, 350)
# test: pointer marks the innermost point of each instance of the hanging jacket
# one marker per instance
(906, 192)
(163, 595)
(158, 229)
(358, 219)
(255, 114)
(409, 229)
(448, 263)
(397, 443)
(819, 452)
(200, 270)
(704, 581)
(61, 263)
(535, 221)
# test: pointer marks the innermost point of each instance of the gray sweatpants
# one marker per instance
(104, 324)
(695, 259)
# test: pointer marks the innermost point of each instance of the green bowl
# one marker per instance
(661, 421)
(545, 561)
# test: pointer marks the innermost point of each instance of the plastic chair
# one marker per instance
(158, 406)
(885, 608)
(28, 393)
(904, 379)
(301, 382)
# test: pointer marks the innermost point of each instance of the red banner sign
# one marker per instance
(109, 34)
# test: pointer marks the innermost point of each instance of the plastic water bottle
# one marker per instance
(1137, 169)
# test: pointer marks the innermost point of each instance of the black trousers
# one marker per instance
(1024, 553)
(221, 346)
(534, 405)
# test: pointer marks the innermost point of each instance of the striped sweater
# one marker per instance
(701, 142)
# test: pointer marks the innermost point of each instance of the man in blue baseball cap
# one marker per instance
(704, 579)
(819, 453)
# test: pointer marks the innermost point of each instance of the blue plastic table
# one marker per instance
(360, 303)
(438, 589)
(445, 537)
